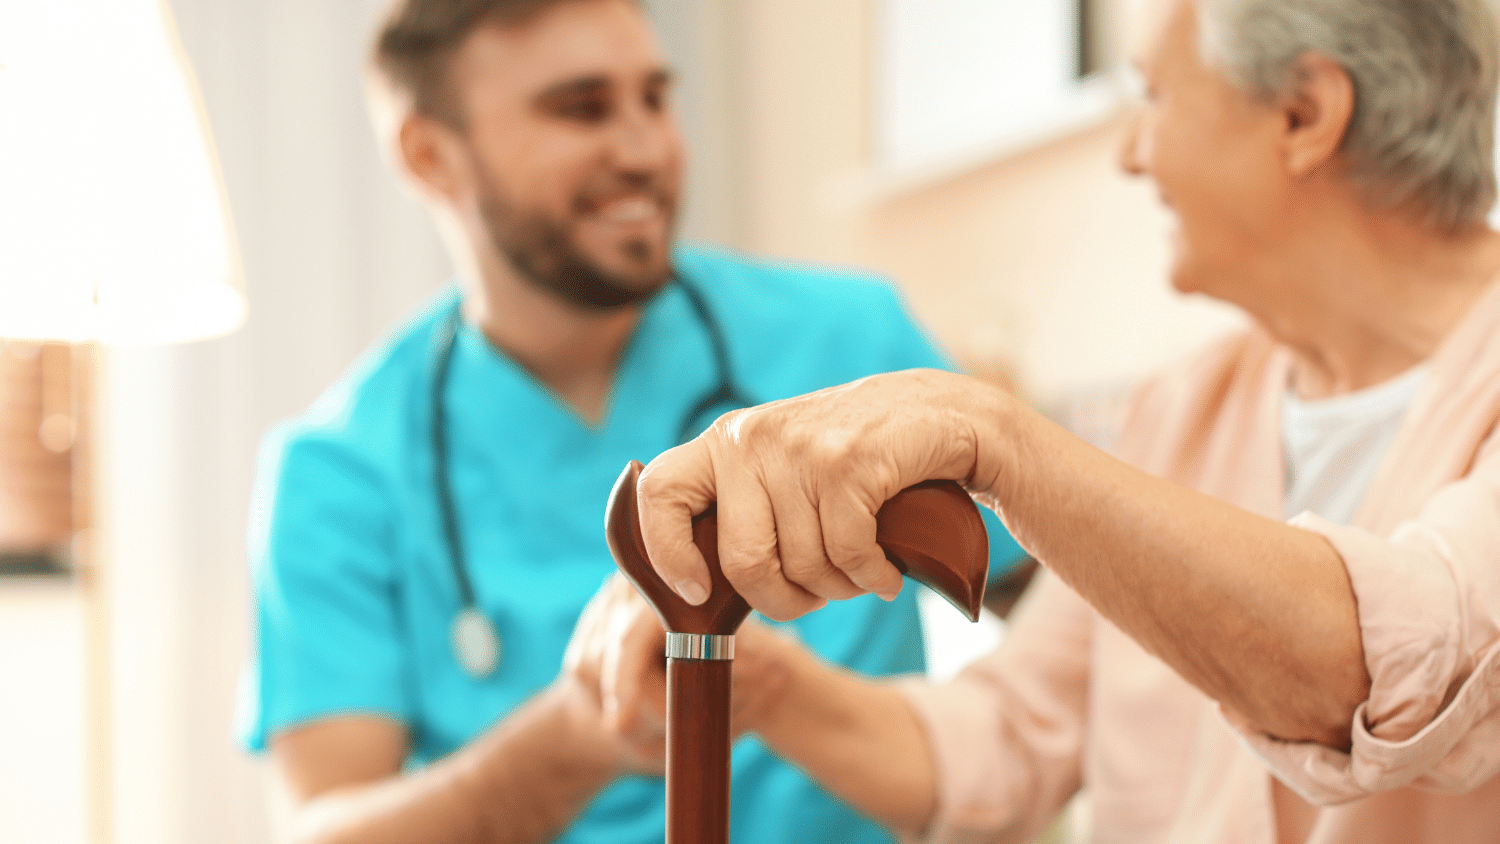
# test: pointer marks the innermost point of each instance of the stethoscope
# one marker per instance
(476, 645)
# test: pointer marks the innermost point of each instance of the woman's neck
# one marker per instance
(1367, 302)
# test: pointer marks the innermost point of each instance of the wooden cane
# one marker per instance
(931, 532)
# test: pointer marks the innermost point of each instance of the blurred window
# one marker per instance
(967, 81)
(41, 482)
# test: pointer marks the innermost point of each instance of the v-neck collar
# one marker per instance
(666, 363)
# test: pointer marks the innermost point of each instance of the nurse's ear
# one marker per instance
(433, 158)
(427, 155)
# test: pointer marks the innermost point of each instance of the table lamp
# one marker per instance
(113, 220)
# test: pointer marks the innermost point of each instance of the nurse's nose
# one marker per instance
(1134, 147)
(646, 138)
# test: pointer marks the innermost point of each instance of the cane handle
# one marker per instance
(931, 532)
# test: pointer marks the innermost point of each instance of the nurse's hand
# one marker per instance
(617, 652)
(798, 483)
(613, 632)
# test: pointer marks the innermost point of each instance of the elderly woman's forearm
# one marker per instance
(1259, 615)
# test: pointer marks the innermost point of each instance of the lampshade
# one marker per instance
(114, 225)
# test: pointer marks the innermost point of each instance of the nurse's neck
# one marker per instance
(573, 352)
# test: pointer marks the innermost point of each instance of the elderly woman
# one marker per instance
(1276, 616)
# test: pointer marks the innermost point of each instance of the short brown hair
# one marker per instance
(416, 43)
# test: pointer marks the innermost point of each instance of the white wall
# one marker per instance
(41, 713)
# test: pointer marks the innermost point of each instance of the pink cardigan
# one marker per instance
(1069, 701)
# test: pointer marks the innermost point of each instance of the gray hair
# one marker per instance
(1424, 71)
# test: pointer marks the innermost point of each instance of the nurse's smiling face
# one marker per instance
(572, 159)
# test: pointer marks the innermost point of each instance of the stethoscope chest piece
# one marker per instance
(475, 643)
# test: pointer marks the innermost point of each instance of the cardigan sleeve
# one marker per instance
(1429, 612)
(1007, 733)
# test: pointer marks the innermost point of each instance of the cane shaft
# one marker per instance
(698, 751)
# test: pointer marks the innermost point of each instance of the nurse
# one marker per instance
(426, 536)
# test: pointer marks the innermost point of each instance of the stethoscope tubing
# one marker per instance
(452, 538)
(469, 620)
(725, 391)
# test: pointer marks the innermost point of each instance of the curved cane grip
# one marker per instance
(931, 532)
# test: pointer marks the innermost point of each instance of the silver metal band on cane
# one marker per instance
(699, 646)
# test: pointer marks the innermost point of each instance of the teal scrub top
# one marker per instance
(355, 593)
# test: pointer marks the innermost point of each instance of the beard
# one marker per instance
(545, 253)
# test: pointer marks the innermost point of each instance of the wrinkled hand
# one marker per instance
(798, 483)
(617, 654)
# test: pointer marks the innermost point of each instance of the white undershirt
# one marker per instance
(1335, 446)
